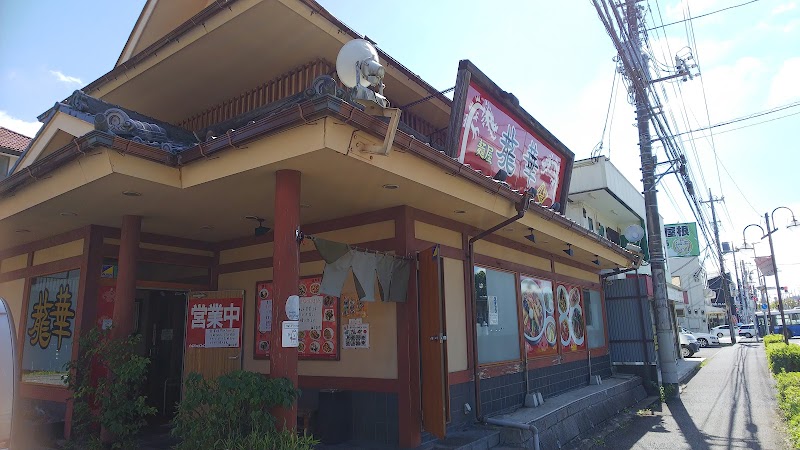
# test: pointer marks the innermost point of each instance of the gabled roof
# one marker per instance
(12, 143)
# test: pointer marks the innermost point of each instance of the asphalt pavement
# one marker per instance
(729, 404)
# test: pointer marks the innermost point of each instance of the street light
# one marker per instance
(768, 234)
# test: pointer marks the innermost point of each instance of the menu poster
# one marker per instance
(317, 336)
(356, 335)
(538, 317)
(571, 323)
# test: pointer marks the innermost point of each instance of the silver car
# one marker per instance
(9, 374)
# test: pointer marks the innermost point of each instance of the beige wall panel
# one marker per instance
(263, 152)
(14, 263)
(13, 291)
(439, 235)
(245, 253)
(164, 248)
(570, 271)
(456, 315)
(511, 255)
(63, 251)
(363, 233)
(353, 235)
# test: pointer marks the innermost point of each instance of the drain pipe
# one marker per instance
(520, 426)
(522, 207)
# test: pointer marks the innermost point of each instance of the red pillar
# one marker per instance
(286, 276)
(124, 302)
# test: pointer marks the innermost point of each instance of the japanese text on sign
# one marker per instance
(493, 139)
(52, 318)
(214, 323)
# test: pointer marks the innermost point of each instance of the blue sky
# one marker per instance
(554, 56)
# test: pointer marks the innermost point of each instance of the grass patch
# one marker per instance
(644, 412)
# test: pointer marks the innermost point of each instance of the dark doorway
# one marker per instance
(161, 324)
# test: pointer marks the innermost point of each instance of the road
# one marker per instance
(729, 404)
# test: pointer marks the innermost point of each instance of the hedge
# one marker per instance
(789, 402)
(783, 358)
(773, 339)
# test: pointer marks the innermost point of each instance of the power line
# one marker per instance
(702, 15)
(746, 126)
(743, 118)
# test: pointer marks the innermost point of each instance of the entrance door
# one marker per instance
(161, 319)
(433, 344)
(214, 325)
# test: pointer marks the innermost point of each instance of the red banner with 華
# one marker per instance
(492, 139)
(214, 322)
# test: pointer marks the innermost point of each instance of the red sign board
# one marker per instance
(318, 333)
(214, 323)
(492, 134)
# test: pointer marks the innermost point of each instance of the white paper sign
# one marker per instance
(289, 338)
(356, 335)
(107, 323)
(293, 307)
(265, 316)
(494, 313)
(311, 313)
(222, 338)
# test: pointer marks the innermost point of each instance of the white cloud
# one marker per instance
(784, 7)
(698, 7)
(784, 86)
(65, 78)
(20, 126)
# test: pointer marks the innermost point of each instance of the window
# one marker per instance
(5, 162)
(497, 316)
(595, 326)
(591, 224)
(49, 327)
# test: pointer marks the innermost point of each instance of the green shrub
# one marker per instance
(783, 357)
(233, 408)
(773, 339)
(282, 440)
(110, 400)
(789, 402)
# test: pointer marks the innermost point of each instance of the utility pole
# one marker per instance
(738, 287)
(726, 290)
(664, 330)
(784, 325)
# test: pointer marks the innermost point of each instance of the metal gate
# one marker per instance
(631, 329)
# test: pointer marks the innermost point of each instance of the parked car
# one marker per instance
(9, 374)
(723, 330)
(747, 330)
(689, 345)
(703, 339)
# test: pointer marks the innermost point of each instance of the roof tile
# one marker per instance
(13, 140)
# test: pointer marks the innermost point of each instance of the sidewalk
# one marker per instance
(729, 404)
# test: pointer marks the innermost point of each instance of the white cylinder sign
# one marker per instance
(293, 307)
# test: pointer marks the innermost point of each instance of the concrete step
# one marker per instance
(477, 439)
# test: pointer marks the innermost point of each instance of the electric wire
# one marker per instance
(703, 15)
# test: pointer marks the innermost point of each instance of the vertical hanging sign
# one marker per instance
(214, 322)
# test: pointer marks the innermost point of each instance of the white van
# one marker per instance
(9, 373)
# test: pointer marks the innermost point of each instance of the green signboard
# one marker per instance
(682, 239)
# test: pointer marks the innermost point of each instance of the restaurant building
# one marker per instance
(185, 194)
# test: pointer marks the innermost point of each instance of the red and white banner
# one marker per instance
(764, 264)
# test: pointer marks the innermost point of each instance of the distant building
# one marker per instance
(12, 144)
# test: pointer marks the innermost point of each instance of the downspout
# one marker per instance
(522, 207)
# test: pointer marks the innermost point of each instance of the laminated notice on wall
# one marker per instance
(356, 335)
(494, 312)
